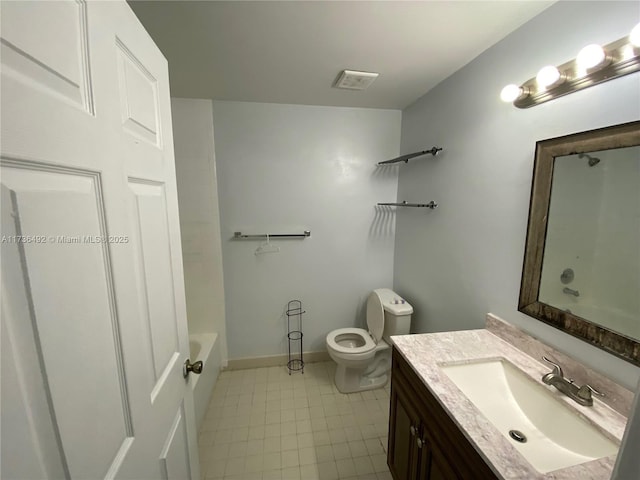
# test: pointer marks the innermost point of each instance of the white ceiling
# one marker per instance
(293, 51)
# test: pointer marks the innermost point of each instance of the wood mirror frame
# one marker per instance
(618, 136)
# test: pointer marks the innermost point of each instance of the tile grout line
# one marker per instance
(263, 424)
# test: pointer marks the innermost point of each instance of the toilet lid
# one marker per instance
(375, 316)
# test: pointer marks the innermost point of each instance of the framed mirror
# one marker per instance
(581, 271)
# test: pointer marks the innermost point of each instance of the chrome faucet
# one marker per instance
(582, 394)
(571, 291)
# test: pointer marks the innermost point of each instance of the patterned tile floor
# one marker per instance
(263, 424)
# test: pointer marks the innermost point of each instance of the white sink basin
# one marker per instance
(556, 436)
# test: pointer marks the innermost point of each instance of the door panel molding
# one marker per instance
(174, 457)
(80, 322)
(138, 97)
(64, 71)
(119, 459)
(27, 395)
(155, 274)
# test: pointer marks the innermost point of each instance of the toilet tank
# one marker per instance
(397, 313)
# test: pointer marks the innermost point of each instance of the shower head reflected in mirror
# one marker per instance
(591, 160)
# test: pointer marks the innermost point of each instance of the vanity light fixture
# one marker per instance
(548, 77)
(511, 92)
(591, 56)
(594, 64)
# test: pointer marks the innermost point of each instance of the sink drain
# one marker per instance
(518, 436)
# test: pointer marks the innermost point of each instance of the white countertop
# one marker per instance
(425, 352)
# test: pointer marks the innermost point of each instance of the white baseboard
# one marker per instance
(273, 360)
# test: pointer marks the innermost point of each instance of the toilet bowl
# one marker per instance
(363, 357)
(353, 347)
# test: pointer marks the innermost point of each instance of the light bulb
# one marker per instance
(634, 37)
(510, 93)
(547, 76)
(590, 56)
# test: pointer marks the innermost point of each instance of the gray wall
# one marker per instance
(289, 168)
(464, 259)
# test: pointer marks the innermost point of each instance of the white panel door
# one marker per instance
(94, 333)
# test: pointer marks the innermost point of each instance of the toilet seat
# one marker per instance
(375, 316)
(341, 335)
(341, 340)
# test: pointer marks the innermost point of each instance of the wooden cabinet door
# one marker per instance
(445, 453)
(403, 456)
(424, 458)
(440, 468)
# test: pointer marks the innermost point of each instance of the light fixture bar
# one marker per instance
(622, 57)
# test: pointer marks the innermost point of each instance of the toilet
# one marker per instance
(363, 357)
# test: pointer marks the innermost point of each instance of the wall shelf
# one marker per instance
(405, 158)
(430, 205)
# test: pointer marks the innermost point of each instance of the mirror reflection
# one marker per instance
(581, 268)
(591, 262)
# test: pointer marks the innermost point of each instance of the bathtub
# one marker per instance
(205, 347)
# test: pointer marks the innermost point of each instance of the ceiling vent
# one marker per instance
(354, 80)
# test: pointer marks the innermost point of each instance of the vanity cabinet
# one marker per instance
(424, 443)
